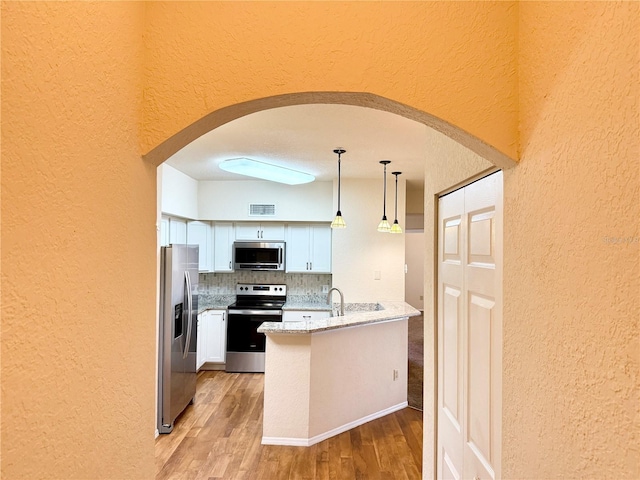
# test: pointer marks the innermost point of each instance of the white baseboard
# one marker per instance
(307, 442)
(157, 433)
(292, 442)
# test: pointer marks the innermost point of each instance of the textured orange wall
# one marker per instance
(79, 244)
(78, 205)
(455, 60)
(571, 281)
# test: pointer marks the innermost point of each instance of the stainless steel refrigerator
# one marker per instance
(178, 332)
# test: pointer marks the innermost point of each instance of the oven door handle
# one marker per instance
(255, 312)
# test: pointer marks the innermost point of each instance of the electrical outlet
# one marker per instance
(325, 288)
(395, 374)
(376, 275)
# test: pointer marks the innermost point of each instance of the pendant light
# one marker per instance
(395, 228)
(338, 222)
(384, 226)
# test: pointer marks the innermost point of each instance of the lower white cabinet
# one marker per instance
(303, 315)
(212, 337)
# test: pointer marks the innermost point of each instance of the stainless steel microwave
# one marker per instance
(268, 256)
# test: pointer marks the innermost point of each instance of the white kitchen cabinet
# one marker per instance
(303, 315)
(212, 337)
(223, 237)
(199, 233)
(164, 231)
(260, 231)
(199, 347)
(177, 230)
(308, 248)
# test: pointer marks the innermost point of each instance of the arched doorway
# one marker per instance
(221, 116)
(473, 156)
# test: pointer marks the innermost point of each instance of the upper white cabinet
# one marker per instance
(320, 248)
(164, 232)
(177, 230)
(260, 231)
(199, 233)
(309, 248)
(223, 236)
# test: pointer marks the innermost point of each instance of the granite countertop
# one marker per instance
(214, 302)
(387, 311)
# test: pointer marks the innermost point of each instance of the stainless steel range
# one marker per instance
(255, 304)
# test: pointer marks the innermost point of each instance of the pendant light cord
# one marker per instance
(384, 203)
(338, 182)
(384, 200)
(396, 216)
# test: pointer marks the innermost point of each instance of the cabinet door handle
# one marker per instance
(229, 264)
(306, 316)
(310, 265)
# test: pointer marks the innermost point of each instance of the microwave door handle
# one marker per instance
(187, 278)
(280, 256)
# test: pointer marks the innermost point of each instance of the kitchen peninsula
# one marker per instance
(328, 375)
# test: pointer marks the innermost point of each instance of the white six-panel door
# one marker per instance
(470, 331)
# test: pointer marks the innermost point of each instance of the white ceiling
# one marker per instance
(303, 137)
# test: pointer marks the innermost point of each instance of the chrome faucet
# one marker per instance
(341, 299)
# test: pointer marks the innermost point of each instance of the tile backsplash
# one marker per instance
(298, 284)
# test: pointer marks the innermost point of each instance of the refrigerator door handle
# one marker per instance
(189, 314)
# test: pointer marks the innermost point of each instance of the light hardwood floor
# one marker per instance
(219, 438)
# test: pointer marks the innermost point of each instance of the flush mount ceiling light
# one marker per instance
(265, 171)
(395, 228)
(338, 222)
(384, 226)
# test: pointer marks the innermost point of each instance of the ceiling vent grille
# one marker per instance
(262, 210)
